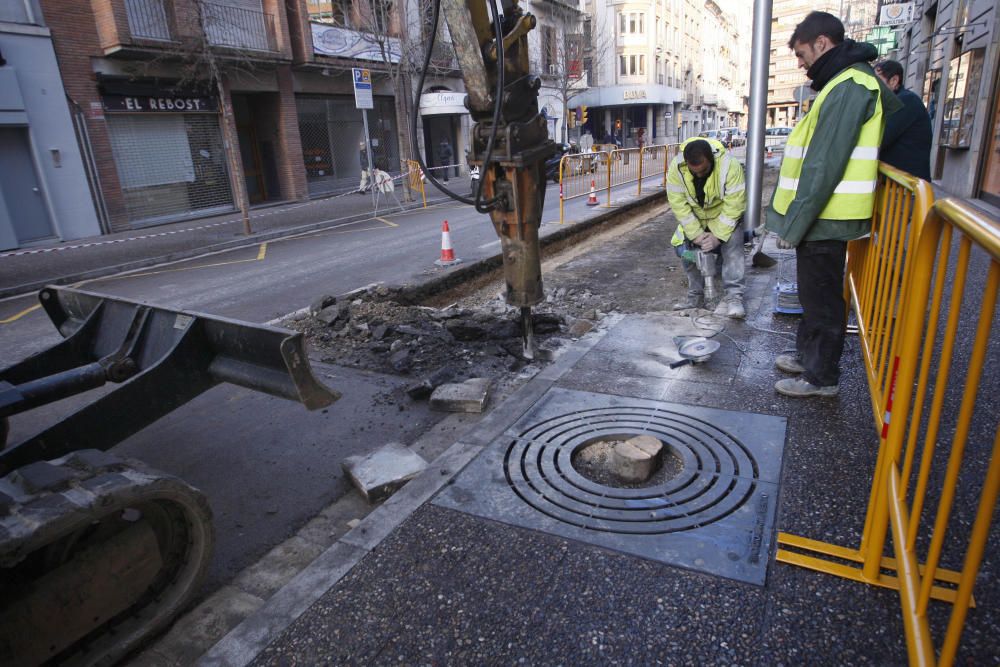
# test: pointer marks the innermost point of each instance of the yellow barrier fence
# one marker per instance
(903, 271)
(608, 169)
(416, 181)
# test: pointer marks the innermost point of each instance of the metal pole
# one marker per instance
(760, 55)
(368, 152)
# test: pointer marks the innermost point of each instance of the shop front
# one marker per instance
(631, 115)
(332, 133)
(168, 151)
(445, 120)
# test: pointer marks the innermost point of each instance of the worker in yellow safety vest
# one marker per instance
(706, 190)
(825, 194)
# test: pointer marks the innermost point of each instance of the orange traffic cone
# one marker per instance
(592, 199)
(447, 254)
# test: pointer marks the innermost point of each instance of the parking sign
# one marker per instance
(363, 89)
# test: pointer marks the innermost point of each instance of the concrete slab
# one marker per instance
(468, 396)
(378, 474)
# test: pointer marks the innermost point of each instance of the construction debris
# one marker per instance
(379, 474)
(468, 396)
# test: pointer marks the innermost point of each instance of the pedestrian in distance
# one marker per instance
(445, 155)
(826, 192)
(363, 157)
(706, 190)
(906, 143)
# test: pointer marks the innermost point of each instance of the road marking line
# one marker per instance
(388, 222)
(18, 316)
(260, 256)
(491, 243)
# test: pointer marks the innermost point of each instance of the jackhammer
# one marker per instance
(707, 263)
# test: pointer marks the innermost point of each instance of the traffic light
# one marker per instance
(571, 118)
(583, 114)
(618, 124)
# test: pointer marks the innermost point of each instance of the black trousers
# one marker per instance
(820, 338)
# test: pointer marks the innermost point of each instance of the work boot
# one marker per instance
(731, 306)
(801, 388)
(692, 301)
(789, 362)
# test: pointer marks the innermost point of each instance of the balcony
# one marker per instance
(238, 28)
(140, 28)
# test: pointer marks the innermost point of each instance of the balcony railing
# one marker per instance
(147, 19)
(239, 28)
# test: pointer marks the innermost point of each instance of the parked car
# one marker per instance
(776, 137)
(736, 136)
(729, 136)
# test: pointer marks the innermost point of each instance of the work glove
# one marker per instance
(709, 243)
(783, 244)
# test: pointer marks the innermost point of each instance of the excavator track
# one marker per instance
(96, 553)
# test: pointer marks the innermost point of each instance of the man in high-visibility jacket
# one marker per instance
(707, 193)
(826, 192)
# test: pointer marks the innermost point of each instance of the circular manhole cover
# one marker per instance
(718, 473)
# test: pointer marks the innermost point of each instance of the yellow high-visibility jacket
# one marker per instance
(725, 196)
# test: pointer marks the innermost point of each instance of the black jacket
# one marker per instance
(906, 143)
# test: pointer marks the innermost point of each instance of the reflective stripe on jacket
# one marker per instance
(854, 196)
(725, 195)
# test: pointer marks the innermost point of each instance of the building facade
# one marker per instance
(950, 51)
(158, 122)
(45, 193)
(666, 70)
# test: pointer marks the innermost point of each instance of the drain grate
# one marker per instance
(715, 515)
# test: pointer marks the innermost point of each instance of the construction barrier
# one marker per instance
(900, 273)
(610, 169)
(878, 272)
(417, 181)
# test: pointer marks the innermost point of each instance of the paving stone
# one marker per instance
(634, 460)
(468, 396)
(379, 474)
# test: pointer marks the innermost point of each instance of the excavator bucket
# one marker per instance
(97, 552)
(161, 357)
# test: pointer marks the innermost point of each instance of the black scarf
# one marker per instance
(837, 59)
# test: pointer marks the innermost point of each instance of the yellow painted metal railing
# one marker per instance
(900, 274)
(597, 172)
(416, 182)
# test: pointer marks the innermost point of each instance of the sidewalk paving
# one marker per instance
(445, 573)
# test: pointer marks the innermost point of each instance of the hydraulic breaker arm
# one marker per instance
(510, 141)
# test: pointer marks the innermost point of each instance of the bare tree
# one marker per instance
(571, 64)
(398, 32)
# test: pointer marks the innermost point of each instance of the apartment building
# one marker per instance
(788, 91)
(950, 51)
(670, 68)
(162, 85)
(44, 188)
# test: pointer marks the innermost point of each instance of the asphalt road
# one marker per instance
(268, 465)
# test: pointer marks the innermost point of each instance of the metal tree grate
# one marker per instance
(715, 515)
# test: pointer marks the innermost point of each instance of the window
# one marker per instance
(381, 16)
(621, 23)
(20, 11)
(548, 50)
(334, 12)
